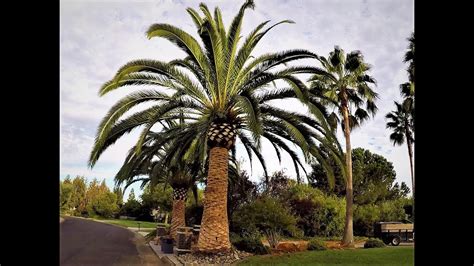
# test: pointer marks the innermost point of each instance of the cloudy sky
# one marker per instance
(97, 37)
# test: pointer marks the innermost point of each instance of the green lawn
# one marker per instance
(373, 256)
(129, 223)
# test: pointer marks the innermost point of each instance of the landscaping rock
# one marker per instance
(213, 259)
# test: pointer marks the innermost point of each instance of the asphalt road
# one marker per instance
(85, 242)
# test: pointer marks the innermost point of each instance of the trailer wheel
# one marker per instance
(395, 241)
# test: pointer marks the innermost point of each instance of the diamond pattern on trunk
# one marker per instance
(180, 193)
(221, 135)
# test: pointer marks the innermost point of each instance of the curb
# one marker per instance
(169, 259)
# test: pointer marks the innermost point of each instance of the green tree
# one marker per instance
(131, 196)
(119, 194)
(66, 191)
(365, 216)
(344, 83)
(105, 204)
(78, 197)
(373, 175)
(316, 213)
(100, 201)
(267, 216)
(132, 207)
(224, 92)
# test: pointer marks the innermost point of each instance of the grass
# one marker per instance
(376, 256)
(130, 223)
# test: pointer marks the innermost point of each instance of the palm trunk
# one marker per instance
(410, 154)
(214, 234)
(348, 238)
(177, 214)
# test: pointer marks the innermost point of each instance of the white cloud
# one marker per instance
(97, 38)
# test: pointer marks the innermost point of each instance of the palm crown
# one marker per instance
(410, 57)
(344, 81)
(220, 89)
(401, 123)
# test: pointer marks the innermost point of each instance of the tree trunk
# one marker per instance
(348, 238)
(214, 234)
(178, 212)
(410, 154)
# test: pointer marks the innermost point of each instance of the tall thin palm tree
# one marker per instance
(401, 124)
(222, 94)
(407, 89)
(343, 83)
(410, 57)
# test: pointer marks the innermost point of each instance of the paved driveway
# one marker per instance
(85, 242)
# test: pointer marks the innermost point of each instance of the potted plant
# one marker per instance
(167, 244)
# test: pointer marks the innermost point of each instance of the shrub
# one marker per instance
(251, 244)
(131, 208)
(364, 218)
(366, 215)
(267, 216)
(316, 244)
(316, 213)
(374, 243)
(392, 210)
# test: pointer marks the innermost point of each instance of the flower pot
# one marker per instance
(167, 245)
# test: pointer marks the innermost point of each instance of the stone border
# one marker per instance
(170, 259)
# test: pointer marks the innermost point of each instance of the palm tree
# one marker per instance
(401, 123)
(222, 93)
(407, 89)
(410, 58)
(148, 166)
(343, 83)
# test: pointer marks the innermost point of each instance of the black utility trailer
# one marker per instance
(394, 232)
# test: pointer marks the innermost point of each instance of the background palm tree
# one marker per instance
(407, 89)
(410, 57)
(343, 83)
(223, 92)
(153, 165)
(401, 123)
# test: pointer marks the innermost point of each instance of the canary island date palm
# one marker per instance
(224, 93)
(148, 167)
(160, 161)
(401, 124)
(344, 84)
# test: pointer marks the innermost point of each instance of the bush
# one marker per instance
(102, 205)
(366, 215)
(267, 216)
(251, 244)
(374, 243)
(317, 214)
(131, 208)
(316, 244)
